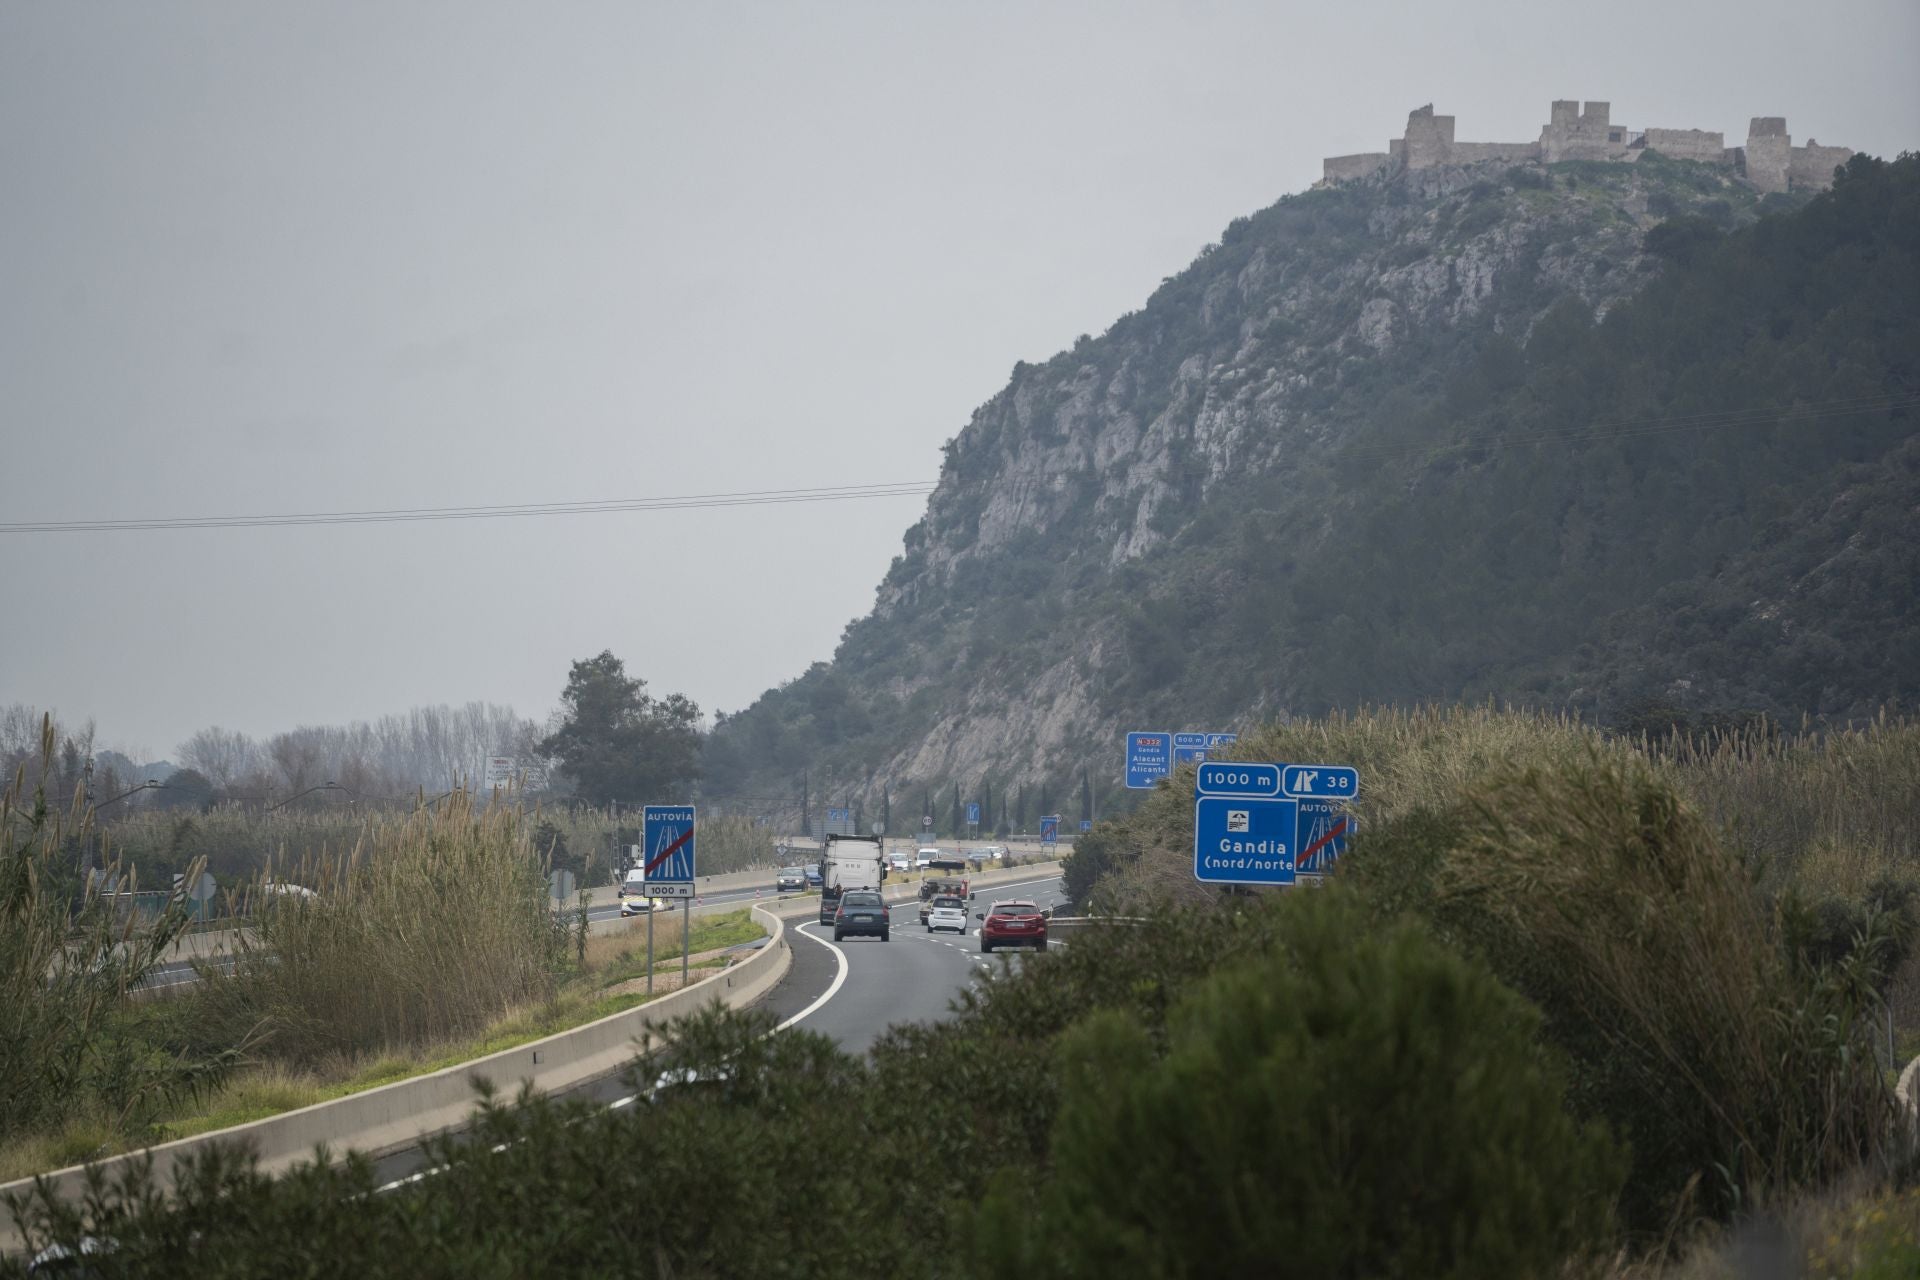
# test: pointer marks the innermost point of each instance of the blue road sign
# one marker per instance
(1149, 758)
(1266, 824)
(1050, 830)
(1221, 739)
(1190, 741)
(1320, 781)
(973, 814)
(1086, 824)
(1320, 835)
(1244, 839)
(668, 851)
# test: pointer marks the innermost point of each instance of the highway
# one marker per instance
(851, 991)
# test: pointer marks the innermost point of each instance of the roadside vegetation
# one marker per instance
(1559, 1013)
(427, 940)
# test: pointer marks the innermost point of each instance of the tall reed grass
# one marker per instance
(434, 923)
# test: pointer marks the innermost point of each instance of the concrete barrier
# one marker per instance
(395, 1116)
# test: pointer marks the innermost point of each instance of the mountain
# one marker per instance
(1584, 434)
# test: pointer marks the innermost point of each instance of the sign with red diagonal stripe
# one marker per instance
(667, 856)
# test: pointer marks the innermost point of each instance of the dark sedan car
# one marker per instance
(861, 911)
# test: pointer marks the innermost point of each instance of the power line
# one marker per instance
(1884, 402)
(403, 515)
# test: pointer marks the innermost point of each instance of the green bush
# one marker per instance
(1736, 1065)
(1363, 1103)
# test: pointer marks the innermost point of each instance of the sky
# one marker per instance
(265, 259)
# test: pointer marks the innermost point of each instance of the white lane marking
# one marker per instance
(833, 988)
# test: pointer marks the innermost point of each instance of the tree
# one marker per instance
(186, 789)
(958, 827)
(617, 742)
(886, 809)
(1086, 796)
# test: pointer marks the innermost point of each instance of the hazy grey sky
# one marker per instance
(275, 258)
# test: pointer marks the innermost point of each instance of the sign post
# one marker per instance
(667, 831)
(1050, 829)
(973, 819)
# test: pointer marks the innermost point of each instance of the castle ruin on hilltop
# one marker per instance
(1577, 131)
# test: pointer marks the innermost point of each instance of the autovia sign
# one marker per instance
(668, 847)
(1268, 824)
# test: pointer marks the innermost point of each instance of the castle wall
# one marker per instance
(1350, 168)
(1503, 152)
(1689, 144)
(1811, 167)
(1585, 131)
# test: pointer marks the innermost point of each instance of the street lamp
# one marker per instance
(325, 786)
(151, 784)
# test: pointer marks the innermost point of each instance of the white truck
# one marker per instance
(850, 862)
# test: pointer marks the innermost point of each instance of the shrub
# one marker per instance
(68, 958)
(1362, 1103)
(1597, 891)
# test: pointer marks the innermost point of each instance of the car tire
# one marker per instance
(928, 927)
(986, 948)
(1040, 945)
(836, 935)
(885, 936)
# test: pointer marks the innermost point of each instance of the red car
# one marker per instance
(1014, 923)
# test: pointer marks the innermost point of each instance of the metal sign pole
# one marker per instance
(686, 932)
(649, 943)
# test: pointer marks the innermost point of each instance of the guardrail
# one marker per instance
(395, 1116)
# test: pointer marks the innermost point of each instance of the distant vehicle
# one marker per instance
(938, 887)
(925, 857)
(947, 912)
(990, 852)
(639, 904)
(790, 880)
(1013, 923)
(861, 911)
(812, 873)
(850, 862)
(900, 862)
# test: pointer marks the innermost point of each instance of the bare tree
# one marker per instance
(222, 756)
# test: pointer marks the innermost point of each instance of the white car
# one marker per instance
(991, 852)
(925, 857)
(948, 913)
(900, 862)
(633, 904)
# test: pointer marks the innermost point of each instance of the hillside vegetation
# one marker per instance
(1586, 437)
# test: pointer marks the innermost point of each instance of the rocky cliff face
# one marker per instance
(1102, 520)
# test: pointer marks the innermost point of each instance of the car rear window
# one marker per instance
(948, 902)
(859, 899)
(1016, 909)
